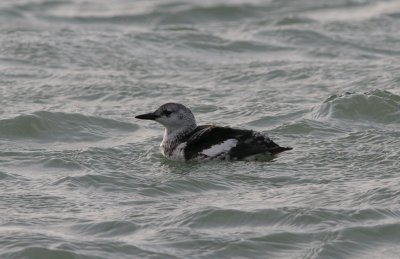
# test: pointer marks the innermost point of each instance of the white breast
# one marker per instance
(223, 147)
(178, 153)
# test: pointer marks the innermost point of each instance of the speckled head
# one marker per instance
(172, 116)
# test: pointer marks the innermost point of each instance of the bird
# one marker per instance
(185, 140)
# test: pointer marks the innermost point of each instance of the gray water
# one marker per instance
(80, 177)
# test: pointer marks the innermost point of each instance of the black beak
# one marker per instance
(147, 116)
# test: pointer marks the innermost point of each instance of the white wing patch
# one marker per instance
(220, 148)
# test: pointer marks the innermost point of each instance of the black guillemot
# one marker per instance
(184, 140)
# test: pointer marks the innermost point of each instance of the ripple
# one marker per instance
(307, 126)
(219, 12)
(182, 186)
(33, 202)
(290, 231)
(43, 252)
(286, 218)
(106, 228)
(356, 12)
(4, 175)
(49, 245)
(179, 13)
(234, 46)
(62, 163)
(368, 239)
(103, 182)
(291, 20)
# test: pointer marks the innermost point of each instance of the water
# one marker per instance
(80, 177)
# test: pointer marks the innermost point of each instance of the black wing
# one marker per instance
(249, 142)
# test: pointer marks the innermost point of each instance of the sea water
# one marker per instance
(80, 177)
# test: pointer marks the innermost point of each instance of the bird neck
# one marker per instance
(173, 137)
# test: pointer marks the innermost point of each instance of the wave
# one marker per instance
(59, 126)
(41, 252)
(274, 231)
(376, 106)
(335, 243)
(293, 232)
(120, 181)
(106, 228)
(295, 218)
(4, 175)
(160, 14)
(286, 231)
(186, 12)
(49, 245)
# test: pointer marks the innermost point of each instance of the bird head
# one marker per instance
(172, 116)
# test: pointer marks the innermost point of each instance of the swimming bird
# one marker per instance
(185, 140)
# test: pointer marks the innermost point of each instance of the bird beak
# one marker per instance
(147, 116)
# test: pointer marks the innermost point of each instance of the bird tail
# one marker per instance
(279, 150)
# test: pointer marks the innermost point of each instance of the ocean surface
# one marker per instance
(80, 177)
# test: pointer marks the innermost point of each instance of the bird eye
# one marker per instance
(167, 113)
